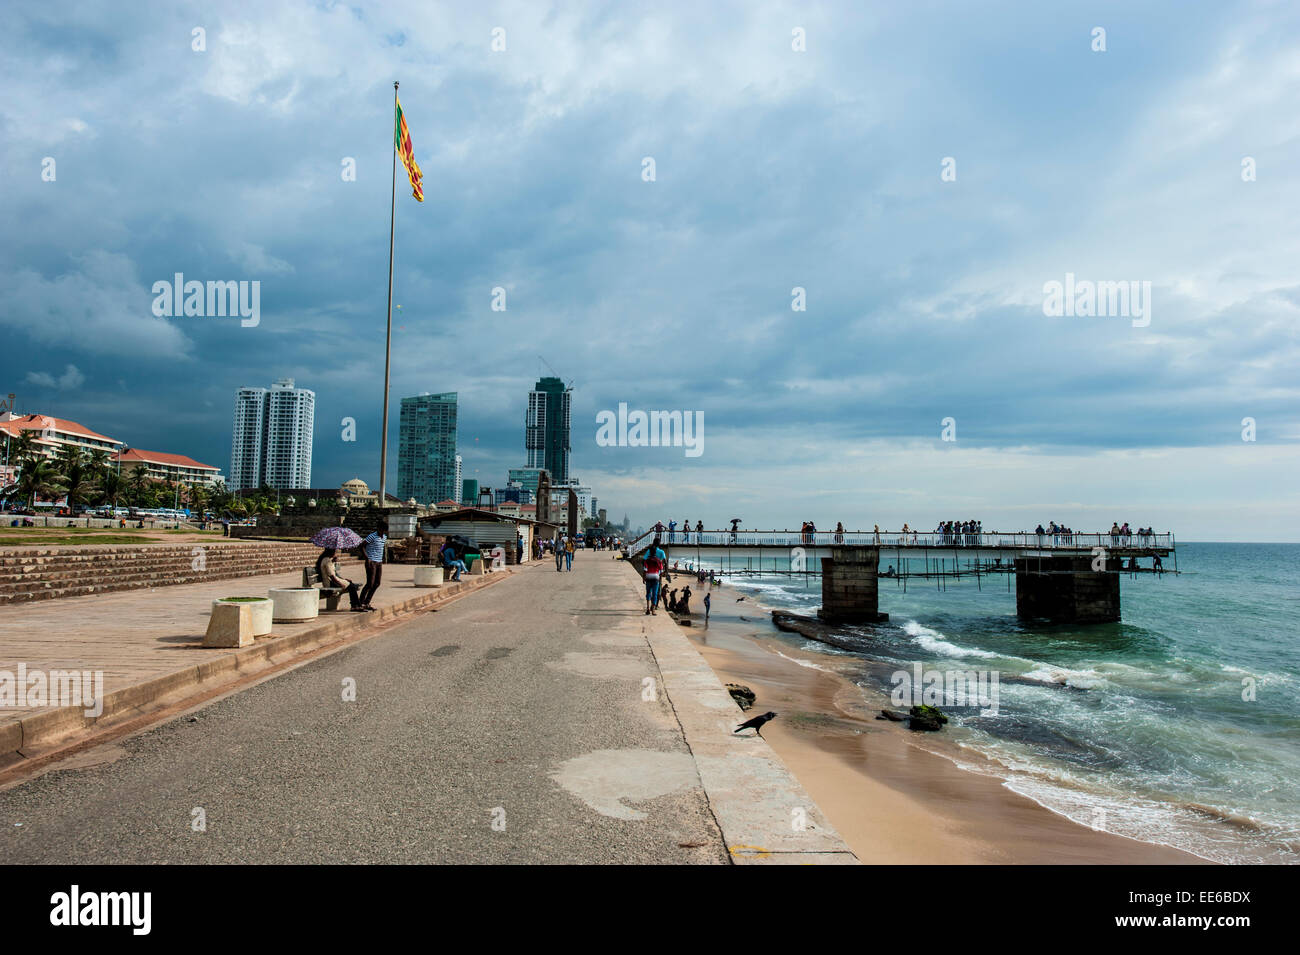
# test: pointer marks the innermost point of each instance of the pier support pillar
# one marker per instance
(1065, 589)
(849, 592)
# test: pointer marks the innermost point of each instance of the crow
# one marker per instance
(739, 599)
(756, 723)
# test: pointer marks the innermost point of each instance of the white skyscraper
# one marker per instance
(250, 428)
(273, 436)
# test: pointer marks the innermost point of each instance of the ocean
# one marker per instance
(1179, 726)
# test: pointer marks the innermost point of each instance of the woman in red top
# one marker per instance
(654, 567)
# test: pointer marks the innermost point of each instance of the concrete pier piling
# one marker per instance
(1066, 589)
(849, 586)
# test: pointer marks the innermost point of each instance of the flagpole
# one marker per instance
(388, 341)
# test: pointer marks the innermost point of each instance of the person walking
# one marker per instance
(375, 545)
(569, 548)
(708, 602)
(559, 554)
(653, 566)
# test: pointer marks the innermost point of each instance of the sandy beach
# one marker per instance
(891, 797)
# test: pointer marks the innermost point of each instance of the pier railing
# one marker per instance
(897, 539)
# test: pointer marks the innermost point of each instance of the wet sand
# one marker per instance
(892, 800)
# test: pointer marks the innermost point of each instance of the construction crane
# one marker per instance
(567, 384)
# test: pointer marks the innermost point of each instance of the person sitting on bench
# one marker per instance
(452, 562)
(329, 577)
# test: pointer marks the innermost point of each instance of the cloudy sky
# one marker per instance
(775, 168)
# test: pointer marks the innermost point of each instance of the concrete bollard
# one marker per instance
(231, 625)
(295, 604)
(261, 611)
(428, 576)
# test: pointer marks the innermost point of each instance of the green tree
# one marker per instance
(98, 461)
(78, 479)
(219, 497)
(110, 485)
(138, 482)
(39, 478)
(198, 498)
(23, 448)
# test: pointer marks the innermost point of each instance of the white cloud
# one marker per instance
(99, 306)
(71, 378)
(255, 259)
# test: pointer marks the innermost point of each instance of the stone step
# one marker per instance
(11, 557)
(185, 559)
(145, 577)
(64, 572)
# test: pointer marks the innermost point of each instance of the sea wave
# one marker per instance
(805, 663)
(1059, 676)
(935, 642)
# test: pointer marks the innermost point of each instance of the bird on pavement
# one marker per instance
(756, 723)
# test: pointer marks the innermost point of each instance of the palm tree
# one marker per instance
(219, 496)
(39, 478)
(110, 483)
(78, 480)
(138, 481)
(22, 446)
(198, 497)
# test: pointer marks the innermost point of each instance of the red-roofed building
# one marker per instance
(162, 466)
(447, 506)
(52, 433)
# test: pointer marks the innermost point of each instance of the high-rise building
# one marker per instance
(469, 492)
(546, 428)
(290, 420)
(273, 436)
(528, 477)
(427, 463)
(458, 485)
(514, 493)
(250, 437)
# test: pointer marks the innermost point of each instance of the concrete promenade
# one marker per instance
(544, 719)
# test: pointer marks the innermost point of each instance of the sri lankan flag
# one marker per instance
(407, 153)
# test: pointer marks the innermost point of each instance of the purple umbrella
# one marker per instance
(341, 538)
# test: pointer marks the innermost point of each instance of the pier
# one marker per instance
(1059, 578)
